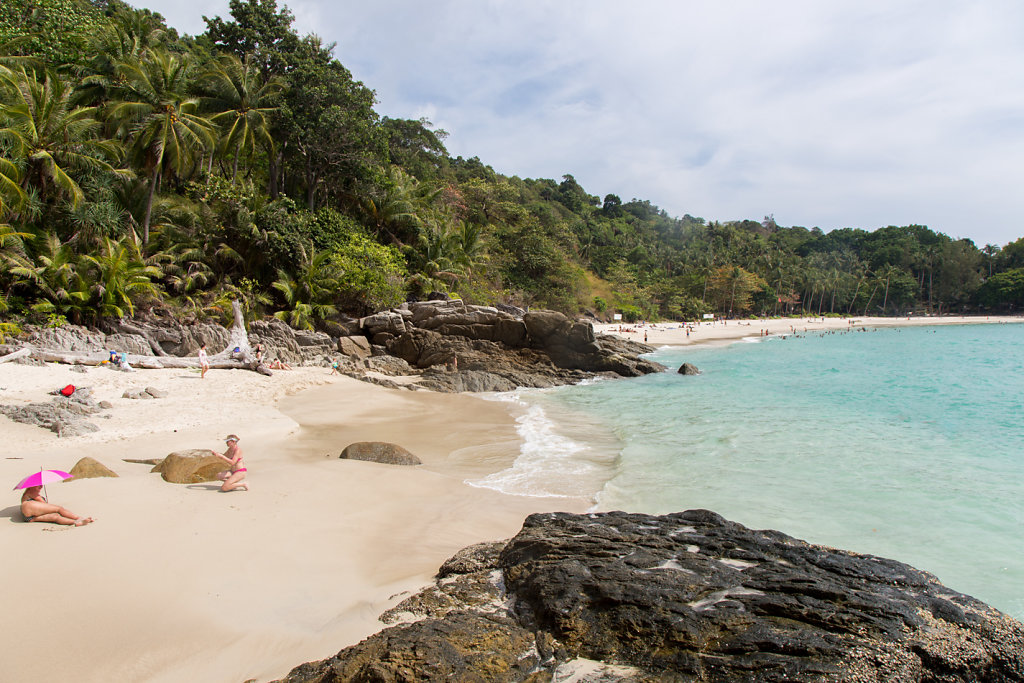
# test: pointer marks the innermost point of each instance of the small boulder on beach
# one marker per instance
(190, 466)
(90, 468)
(379, 451)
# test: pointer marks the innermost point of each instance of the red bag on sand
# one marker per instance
(68, 390)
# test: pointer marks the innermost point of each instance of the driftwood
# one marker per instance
(14, 355)
(228, 359)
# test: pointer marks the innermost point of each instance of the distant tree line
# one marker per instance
(141, 170)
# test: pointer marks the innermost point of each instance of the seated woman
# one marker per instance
(278, 364)
(233, 477)
(34, 508)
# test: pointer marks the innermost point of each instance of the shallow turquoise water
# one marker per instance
(901, 442)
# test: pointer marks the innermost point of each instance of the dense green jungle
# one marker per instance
(148, 173)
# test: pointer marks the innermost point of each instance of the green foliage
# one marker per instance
(252, 164)
(1004, 290)
(369, 275)
(49, 31)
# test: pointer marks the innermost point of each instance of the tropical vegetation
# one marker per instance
(141, 169)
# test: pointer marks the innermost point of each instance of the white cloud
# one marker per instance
(831, 114)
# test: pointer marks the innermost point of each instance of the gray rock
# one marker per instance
(688, 369)
(65, 416)
(388, 322)
(354, 346)
(156, 393)
(379, 451)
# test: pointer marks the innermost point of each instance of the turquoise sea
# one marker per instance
(901, 442)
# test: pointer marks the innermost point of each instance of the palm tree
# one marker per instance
(52, 275)
(310, 293)
(396, 210)
(434, 257)
(162, 122)
(243, 102)
(48, 139)
(118, 276)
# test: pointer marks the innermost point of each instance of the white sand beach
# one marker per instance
(725, 331)
(182, 582)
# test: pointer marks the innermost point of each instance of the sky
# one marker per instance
(832, 114)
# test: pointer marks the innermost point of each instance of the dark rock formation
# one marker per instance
(190, 466)
(504, 347)
(379, 451)
(90, 468)
(688, 369)
(681, 597)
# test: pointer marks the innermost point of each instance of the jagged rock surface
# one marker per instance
(681, 597)
(500, 347)
(64, 415)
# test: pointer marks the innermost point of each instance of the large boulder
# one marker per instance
(686, 597)
(389, 322)
(379, 451)
(190, 466)
(90, 468)
(355, 346)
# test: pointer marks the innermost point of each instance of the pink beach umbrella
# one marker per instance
(42, 478)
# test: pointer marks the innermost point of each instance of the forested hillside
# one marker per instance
(142, 170)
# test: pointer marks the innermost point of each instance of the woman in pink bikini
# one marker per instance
(233, 477)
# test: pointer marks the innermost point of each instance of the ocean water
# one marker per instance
(901, 442)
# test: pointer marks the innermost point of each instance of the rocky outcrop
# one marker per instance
(681, 597)
(379, 451)
(90, 468)
(190, 466)
(501, 346)
(63, 415)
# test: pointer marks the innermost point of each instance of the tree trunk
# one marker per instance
(149, 205)
(228, 359)
(14, 355)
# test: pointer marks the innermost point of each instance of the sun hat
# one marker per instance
(231, 437)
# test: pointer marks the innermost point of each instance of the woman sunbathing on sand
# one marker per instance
(233, 456)
(34, 508)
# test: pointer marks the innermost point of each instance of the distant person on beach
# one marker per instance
(278, 364)
(35, 508)
(334, 367)
(204, 362)
(259, 353)
(233, 477)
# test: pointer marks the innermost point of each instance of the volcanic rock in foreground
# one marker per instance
(683, 597)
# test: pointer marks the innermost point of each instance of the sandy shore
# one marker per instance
(675, 334)
(177, 582)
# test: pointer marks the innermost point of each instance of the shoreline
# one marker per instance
(722, 331)
(181, 581)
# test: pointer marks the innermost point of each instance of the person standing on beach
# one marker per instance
(233, 477)
(204, 362)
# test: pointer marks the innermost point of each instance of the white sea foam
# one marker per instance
(549, 464)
